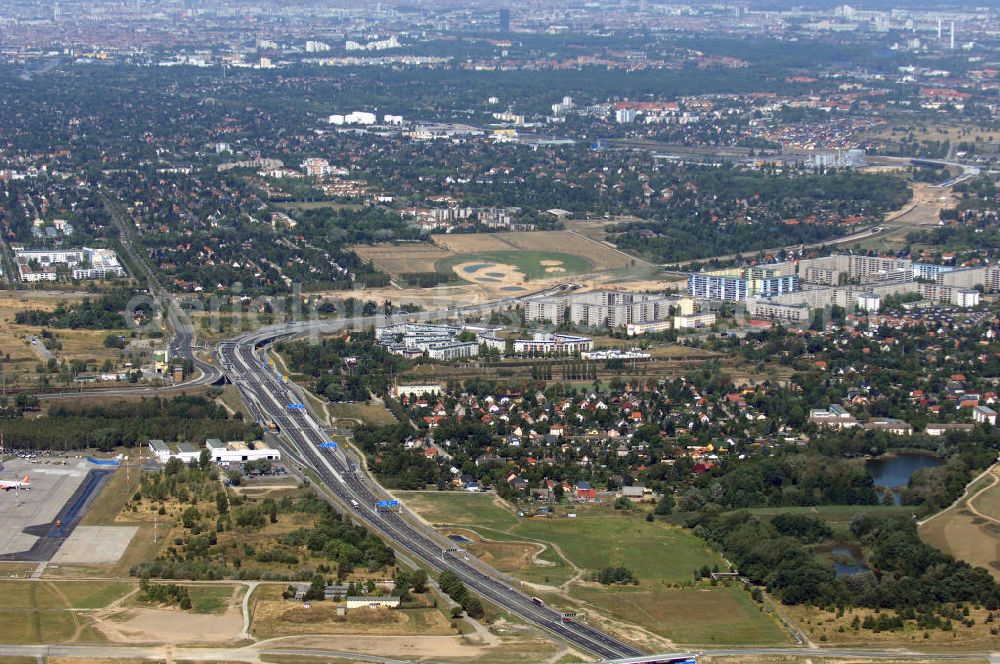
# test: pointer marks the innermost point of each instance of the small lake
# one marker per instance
(476, 267)
(847, 561)
(460, 539)
(894, 472)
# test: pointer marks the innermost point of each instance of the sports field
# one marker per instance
(513, 267)
(511, 257)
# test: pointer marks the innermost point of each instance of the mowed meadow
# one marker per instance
(556, 557)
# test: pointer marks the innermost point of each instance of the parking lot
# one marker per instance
(52, 485)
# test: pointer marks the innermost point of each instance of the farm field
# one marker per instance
(937, 131)
(396, 259)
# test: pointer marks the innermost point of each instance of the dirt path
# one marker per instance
(251, 587)
(965, 495)
(77, 624)
(971, 502)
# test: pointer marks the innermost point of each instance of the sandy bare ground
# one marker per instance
(412, 646)
(166, 626)
(147, 625)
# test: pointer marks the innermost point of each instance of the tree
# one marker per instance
(401, 583)
(190, 517)
(317, 588)
(418, 581)
(221, 502)
(665, 505)
(474, 608)
(204, 459)
(453, 586)
(173, 466)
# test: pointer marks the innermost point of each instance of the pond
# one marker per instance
(460, 539)
(847, 561)
(893, 472)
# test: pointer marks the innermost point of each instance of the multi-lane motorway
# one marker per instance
(269, 398)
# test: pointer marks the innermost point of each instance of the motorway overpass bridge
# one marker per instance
(670, 658)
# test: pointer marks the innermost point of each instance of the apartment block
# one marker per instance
(605, 308)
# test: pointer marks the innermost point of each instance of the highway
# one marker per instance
(268, 399)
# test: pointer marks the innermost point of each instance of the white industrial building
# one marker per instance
(361, 602)
(164, 452)
(231, 452)
(236, 451)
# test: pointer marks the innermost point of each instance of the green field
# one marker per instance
(658, 553)
(85, 594)
(528, 263)
(61, 594)
(655, 552)
(458, 508)
(36, 611)
(211, 599)
(369, 413)
(598, 537)
(701, 616)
